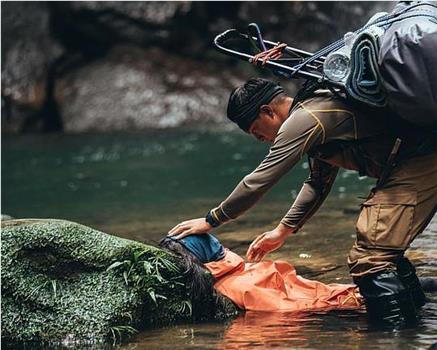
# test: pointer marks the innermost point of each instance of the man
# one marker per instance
(335, 134)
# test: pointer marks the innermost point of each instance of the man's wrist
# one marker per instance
(210, 219)
(286, 230)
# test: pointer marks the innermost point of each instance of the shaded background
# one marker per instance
(105, 66)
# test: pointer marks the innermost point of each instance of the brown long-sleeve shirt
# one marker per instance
(334, 136)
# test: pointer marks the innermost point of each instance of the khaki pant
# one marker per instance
(394, 215)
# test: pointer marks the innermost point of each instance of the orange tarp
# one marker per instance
(274, 285)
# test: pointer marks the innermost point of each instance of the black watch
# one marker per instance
(210, 220)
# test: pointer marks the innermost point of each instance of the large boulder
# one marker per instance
(137, 89)
(64, 283)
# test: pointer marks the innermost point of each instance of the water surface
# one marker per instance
(141, 184)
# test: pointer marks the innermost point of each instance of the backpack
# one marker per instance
(408, 64)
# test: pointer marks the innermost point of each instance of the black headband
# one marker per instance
(246, 113)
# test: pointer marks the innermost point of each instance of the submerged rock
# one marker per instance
(64, 283)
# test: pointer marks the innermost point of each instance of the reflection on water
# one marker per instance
(284, 329)
(260, 330)
(139, 185)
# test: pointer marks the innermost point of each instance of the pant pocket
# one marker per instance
(386, 219)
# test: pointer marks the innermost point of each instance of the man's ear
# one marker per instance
(267, 110)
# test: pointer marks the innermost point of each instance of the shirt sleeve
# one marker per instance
(297, 134)
(312, 194)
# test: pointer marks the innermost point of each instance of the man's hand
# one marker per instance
(268, 242)
(190, 227)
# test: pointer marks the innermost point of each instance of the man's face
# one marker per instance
(266, 126)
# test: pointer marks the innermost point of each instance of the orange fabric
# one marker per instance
(274, 285)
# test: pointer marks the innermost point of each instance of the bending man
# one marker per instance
(334, 134)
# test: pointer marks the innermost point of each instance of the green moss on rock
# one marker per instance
(67, 283)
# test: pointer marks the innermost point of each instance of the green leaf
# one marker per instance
(114, 337)
(138, 254)
(186, 304)
(170, 265)
(152, 295)
(115, 265)
(130, 270)
(147, 267)
(161, 296)
(54, 286)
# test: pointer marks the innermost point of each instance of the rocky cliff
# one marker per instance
(103, 66)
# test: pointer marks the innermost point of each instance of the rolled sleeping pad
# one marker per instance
(364, 82)
(408, 64)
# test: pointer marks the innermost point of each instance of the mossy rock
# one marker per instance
(65, 283)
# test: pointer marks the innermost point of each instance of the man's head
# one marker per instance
(259, 107)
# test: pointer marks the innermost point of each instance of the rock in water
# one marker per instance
(5, 217)
(65, 283)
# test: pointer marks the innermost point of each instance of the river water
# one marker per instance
(139, 185)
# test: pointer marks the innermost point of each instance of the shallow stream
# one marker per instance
(139, 185)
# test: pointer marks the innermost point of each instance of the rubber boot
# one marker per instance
(388, 301)
(407, 273)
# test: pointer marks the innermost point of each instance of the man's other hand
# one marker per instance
(190, 227)
(268, 242)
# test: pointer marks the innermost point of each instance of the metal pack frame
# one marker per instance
(297, 63)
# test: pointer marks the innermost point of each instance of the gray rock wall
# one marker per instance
(27, 51)
(87, 66)
(134, 88)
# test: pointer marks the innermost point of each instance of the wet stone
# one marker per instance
(64, 283)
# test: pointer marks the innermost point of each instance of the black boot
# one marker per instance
(388, 301)
(407, 274)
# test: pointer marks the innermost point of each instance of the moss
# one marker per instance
(67, 283)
